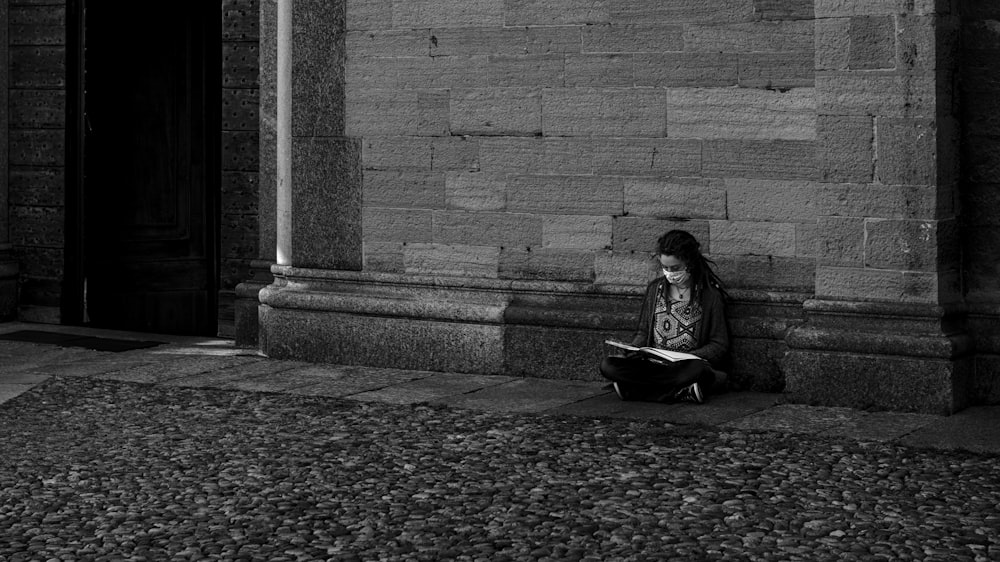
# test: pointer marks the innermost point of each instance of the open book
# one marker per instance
(656, 353)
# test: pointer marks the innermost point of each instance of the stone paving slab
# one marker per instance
(795, 418)
(434, 387)
(21, 377)
(526, 396)
(174, 367)
(881, 426)
(974, 429)
(345, 380)
(10, 391)
(233, 374)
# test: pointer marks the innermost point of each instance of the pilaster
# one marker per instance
(886, 327)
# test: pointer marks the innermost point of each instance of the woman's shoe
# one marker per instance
(690, 393)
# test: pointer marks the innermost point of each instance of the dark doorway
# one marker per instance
(147, 179)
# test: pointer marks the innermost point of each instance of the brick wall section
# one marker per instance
(240, 153)
(37, 119)
(885, 135)
(556, 140)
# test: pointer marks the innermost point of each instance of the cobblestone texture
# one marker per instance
(114, 470)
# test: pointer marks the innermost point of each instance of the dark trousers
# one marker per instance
(643, 379)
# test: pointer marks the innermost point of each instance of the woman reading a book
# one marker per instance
(683, 311)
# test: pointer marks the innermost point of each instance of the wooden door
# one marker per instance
(150, 166)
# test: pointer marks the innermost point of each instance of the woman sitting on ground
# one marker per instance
(683, 310)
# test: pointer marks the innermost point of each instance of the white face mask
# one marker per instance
(677, 277)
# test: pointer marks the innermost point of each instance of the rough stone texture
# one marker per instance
(876, 285)
(583, 195)
(686, 69)
(332, 337)
(632, 38)
(878, 382)
(326, 203)
(842, 241)
(546, 263)
(576, 232)
(845, 150)
(451, 259)
(775, 201)
(604, 112)
(676, 197)
(753, 238)
(873, 43)
(907, 151)
(910, 245)
(489, 112)
(741, 113)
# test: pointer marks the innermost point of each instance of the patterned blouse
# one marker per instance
(676, 323)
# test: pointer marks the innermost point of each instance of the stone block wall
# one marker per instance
(36, 152)
(556, 140)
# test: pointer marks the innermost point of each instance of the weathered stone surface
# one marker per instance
(36, 147)
(845, 150)
(683, 11)
(397, 112)
(769, 273)
(675, 197)
(373, 14)
(397, 225)
(758, 36)
(741, 113)
(37, 226)
(531, 155)
(840, 8)
(487, 229)
(393, 43)
(777, 71)
(880, 201)
(876, 285)
(599, 70)
(452, 259)
(507, 111)
(785, 9)
(429, 153)
(756, 365)
(772, 200)
(556, 12)
(604, 112)
(504, 41)
(240, 150)
(833, 43)
(841, 241)
(240, 64)
(37, 67)
(876, 94)
(35, 187)
(352, 340)
(553, 264)
(240, 109)
(753, 238)
(526, 71)
(576, 232)
(564, 195)
(873, 43)
(778, 159)
(907, 151)
(439, 72)
(410, 189)
(640, 234)
(911, 245)
(37, 24)
(240, 20)
(639, 157)
(447, 13)
(686, 69)
(623, 268)
(878, 382)
(475, 191)
(632, 38)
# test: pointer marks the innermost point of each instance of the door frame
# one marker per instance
(73, 295)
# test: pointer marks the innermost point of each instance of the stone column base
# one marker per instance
(246, 306)
(541, 329)
(879, 356)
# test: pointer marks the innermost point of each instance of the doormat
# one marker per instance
(74, 340)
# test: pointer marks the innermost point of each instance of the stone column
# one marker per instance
(317, 169)
(8, 265)
(884, 329)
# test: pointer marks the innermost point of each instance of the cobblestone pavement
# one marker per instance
(99, 469)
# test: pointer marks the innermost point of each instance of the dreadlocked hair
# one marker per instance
(685, 247)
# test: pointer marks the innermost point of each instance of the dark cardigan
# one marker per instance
(713, 333)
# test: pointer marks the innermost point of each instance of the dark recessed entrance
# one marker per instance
(143, 166)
